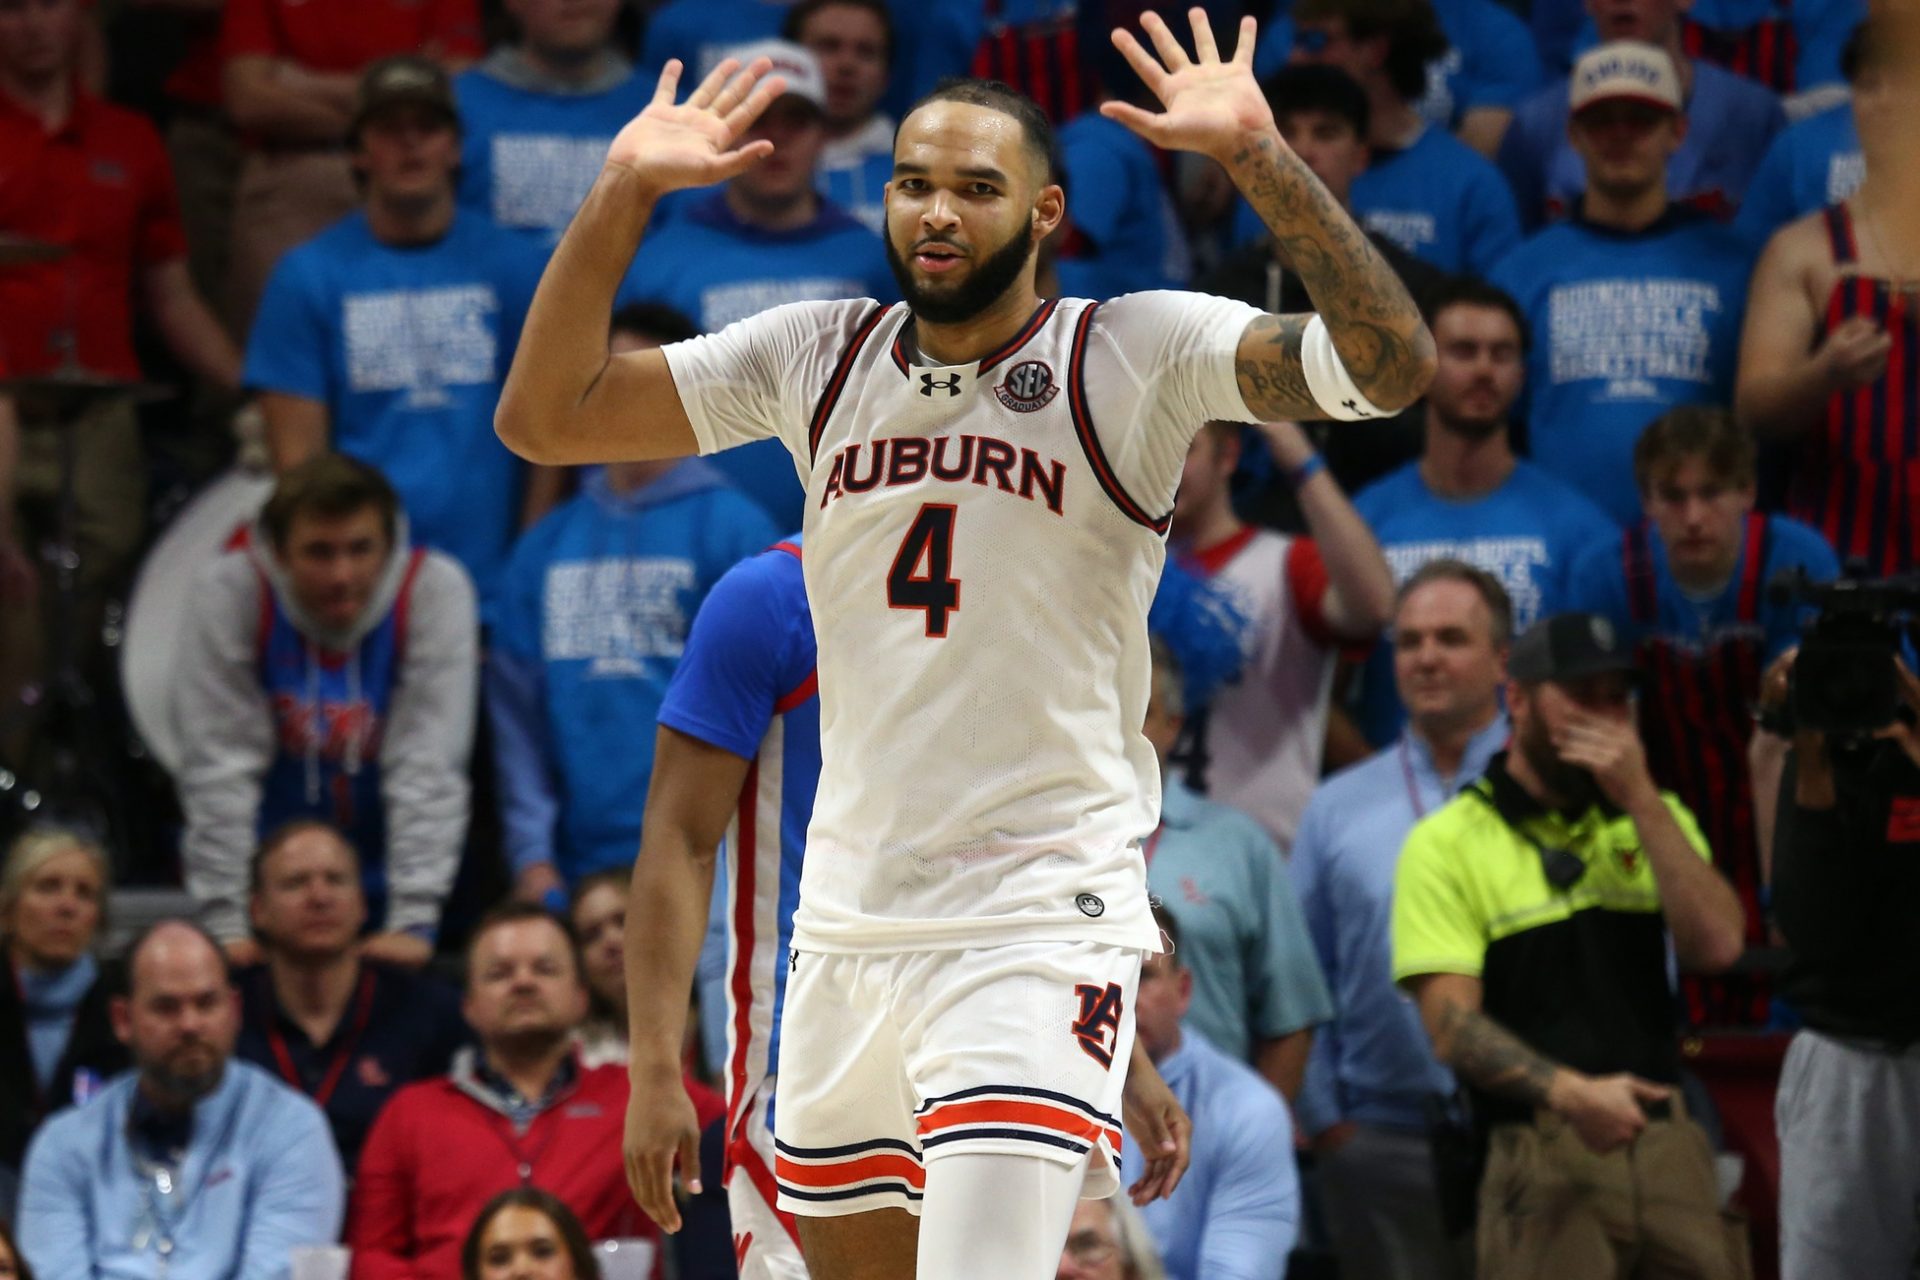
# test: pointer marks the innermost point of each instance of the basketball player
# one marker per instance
(738, 752)
(988, 479)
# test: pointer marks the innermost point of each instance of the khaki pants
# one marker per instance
(1550, 1209)
(206, 168)
(283, 199)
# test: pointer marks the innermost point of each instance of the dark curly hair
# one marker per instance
(573, 1237)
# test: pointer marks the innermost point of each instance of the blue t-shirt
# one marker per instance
(1526, 533)
(1439, 199)
(1730, 122)
(1492, 62)
(597, 604)
(747, 672)
(1624, 327)
(702, 32)
(407, 346)
(1116, 198)
(1814, 163)
(711, 266)
(528, 157)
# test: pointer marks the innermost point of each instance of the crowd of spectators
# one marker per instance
(1518, 630)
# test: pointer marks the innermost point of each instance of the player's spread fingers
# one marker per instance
(716, 80)
(669, 85)
(732, 163)
(1249, 39)
(1204, 50)
(736, 90)
(1165, 43)
(744, 113)
(1144, 123)
(1143, 63)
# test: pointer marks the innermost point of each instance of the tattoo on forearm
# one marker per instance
(1375, 325)
(1272, 378)
(1492, 1057)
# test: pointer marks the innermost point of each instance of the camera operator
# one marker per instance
(1846, 879)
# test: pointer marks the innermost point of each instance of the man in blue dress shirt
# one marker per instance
(1373, 1076)
(1236, 1214)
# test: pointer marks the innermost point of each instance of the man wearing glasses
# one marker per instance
(1530, 923)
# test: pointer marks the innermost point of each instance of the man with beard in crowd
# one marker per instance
(192, 1164)
(1530, 923)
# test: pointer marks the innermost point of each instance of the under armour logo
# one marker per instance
(793, 959)
(930, 384)
(1353, 407)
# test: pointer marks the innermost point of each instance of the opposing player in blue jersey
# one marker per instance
(738, 754)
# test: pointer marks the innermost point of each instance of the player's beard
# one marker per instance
(991, 277)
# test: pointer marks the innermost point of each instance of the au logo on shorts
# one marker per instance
(1028, 386)
(1099, 1014)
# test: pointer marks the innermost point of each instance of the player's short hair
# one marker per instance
(1316, 86)
(1169, 681)
(995, 95)
(330, 486)
(796, 20)
(1485, 585)
(1707, 432)
(1468, 291)
(277, 839)
(654, 320)
(513, 913)
(1412, 29)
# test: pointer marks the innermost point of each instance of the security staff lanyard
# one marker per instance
(283, 1056)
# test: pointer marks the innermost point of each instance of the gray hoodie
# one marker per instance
(226, 727)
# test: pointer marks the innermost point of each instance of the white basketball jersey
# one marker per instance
(983, 543)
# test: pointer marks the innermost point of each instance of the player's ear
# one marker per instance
(1049, 209)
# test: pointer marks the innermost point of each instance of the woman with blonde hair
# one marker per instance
(56, 1041)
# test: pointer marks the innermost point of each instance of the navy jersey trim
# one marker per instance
(1019, 1091)
(1090, 439)
(830, 395)
(1035, 323)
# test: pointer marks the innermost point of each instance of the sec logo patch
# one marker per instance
(1028, 386)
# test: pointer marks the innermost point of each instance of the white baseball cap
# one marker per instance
(791, 62)
(1625, 69)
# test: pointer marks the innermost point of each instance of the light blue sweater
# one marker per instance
(260, 1177)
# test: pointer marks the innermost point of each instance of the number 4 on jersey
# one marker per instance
(930, 542)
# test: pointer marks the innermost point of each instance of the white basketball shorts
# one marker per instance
(888, 1061)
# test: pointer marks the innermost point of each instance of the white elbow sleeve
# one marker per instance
(1327, 378)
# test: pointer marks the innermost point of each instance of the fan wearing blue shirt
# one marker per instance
(1688, 588)
(1434, 195)
(854, 42)
(540, 114)
(1730, 123)
(387, 336)
(1816, 162)
(1236, 1214)
(1468, 497)
(598, 599)
(1635, 305)
(764, 239)
(1133, 238)
(1373, 1076)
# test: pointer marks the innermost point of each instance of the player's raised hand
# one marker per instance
(1211, 105)
(694, 143)
(661, 1126)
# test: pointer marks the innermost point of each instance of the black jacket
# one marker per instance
(92, 1048)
